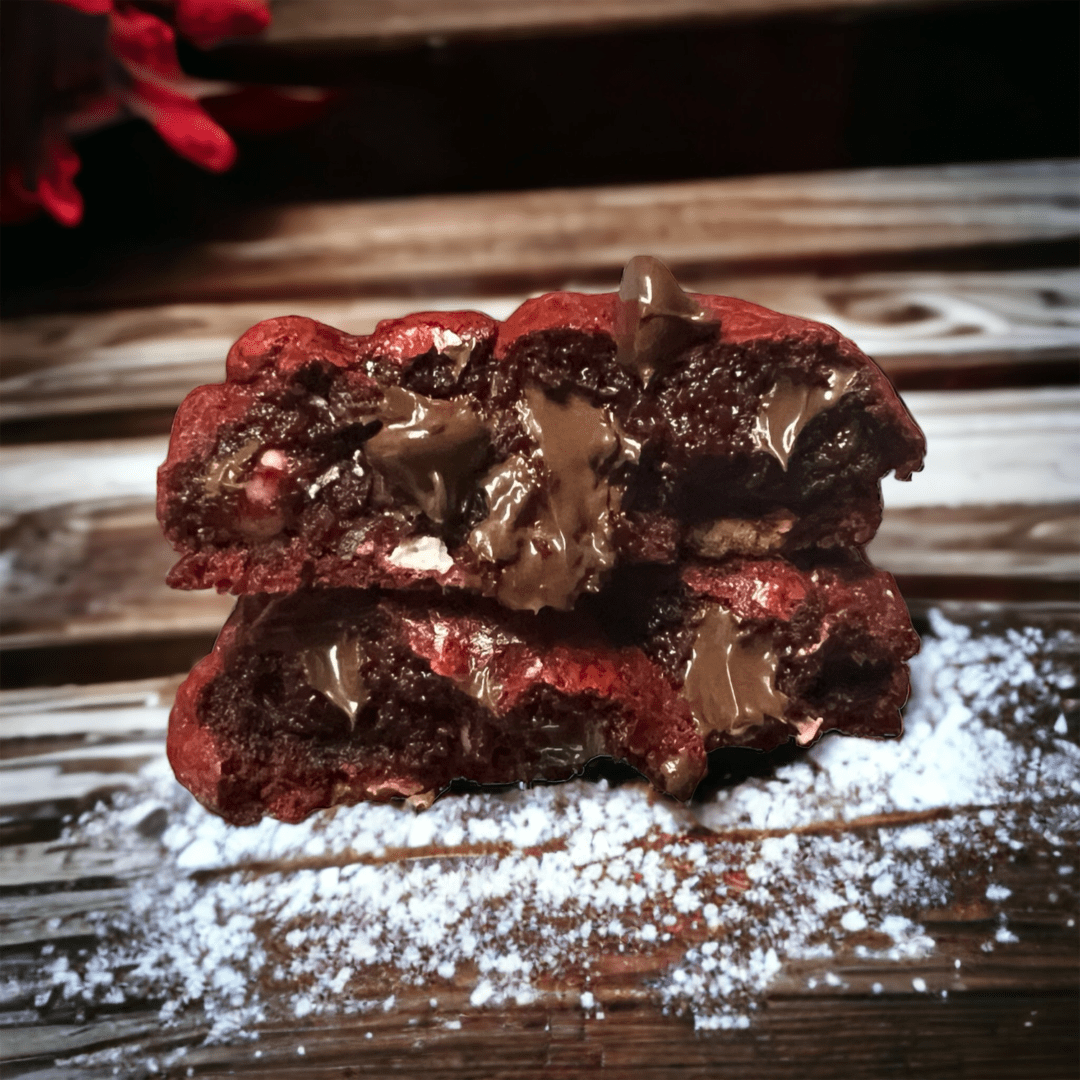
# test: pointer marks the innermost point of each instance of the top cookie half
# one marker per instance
(526, 459)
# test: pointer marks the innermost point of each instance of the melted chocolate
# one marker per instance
(430, 449)
(335, 671)
(730, 679)
(549, 523)
(655, 319)
(789, 407)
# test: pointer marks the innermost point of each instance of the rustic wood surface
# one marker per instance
(447, 244)
(988, 355)
(393, 23)
(926, 329)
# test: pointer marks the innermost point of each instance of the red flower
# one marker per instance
(184, 125)
(140, 74)
(143, 43)
(56, 185)
(55, 190)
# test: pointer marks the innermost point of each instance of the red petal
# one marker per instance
(185, 126)
(56, 188)
(206, 22)
(143, 41)
(16, 202)
(89, 7)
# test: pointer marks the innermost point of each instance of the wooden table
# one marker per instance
(957, 279)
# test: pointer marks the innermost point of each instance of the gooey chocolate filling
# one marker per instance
(730, 677)
(548, 530)
(342, 694)
(321, 684)
(356, 669)
(429, 450)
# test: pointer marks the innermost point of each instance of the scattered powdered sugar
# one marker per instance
(972, 696)
(555, 893)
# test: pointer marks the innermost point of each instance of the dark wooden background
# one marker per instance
(905, 170)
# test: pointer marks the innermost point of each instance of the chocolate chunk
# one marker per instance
(548, 530)
(655, 319)
(429, 449)
(335, 670)
(730, 678)
(788, 407)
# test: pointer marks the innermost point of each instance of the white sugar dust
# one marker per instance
(546, 895)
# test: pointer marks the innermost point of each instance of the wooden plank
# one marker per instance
(992, 993)
(113, 586)
(867, 1038)
(92, 571)
(994, 447)
(396, 23)
(22, 865)
(117, 471)
(100, 711)
(62, 748)
(1012, 541)
(446, 244)
(924, 328)
(83, 565)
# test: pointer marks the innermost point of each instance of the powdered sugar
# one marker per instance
(516, 896)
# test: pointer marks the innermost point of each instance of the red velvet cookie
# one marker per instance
(332, 696)
(526, 460)
(626, 525)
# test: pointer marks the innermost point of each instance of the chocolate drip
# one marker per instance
(789, 407)
(335, 671)
(730, 679)
(430, 449)
(655, 319)
(550, 512)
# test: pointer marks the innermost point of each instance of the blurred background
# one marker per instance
(436, 98)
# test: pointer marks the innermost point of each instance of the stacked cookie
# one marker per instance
(627, 525)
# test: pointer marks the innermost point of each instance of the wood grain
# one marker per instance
(926, 329)
(446, 244)
(83, 566)
(981, 1035)
(395, 23)
(95, 571)
(1013, 541)
(91, 573)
